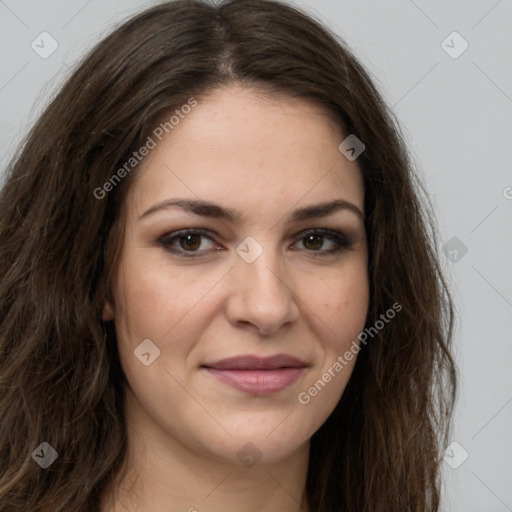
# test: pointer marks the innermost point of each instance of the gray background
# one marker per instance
(456, 114)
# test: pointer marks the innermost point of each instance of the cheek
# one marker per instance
(168, 305)
(342, 302)
(340, 306)
(155, 297)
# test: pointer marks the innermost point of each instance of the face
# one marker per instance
(255, 273)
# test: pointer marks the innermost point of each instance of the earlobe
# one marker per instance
(108, 312)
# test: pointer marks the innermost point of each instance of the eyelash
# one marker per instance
(341, 241)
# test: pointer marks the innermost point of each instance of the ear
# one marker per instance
(107, 312)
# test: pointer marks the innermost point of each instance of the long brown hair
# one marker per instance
(60, 376)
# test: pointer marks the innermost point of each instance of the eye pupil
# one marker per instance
(309, 238)
(190, 238)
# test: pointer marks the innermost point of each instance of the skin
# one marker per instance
(263, 157)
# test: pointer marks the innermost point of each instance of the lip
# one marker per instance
(258, 382)
(251, 362)
(258, 375)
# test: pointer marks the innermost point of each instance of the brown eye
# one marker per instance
(187, 242)
(190, 242)
(313, 242)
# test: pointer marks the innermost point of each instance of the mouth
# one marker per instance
(257, 375)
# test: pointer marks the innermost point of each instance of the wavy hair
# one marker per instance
(60, 377)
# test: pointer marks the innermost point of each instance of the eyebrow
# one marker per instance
(208, 209)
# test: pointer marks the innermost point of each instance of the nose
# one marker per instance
(261, 295)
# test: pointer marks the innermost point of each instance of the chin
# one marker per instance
(251, 444)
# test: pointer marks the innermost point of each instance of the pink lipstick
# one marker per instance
(258, 375)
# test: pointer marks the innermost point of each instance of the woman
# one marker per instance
(219, 285)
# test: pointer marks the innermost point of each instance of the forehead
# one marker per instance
(250, 152)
